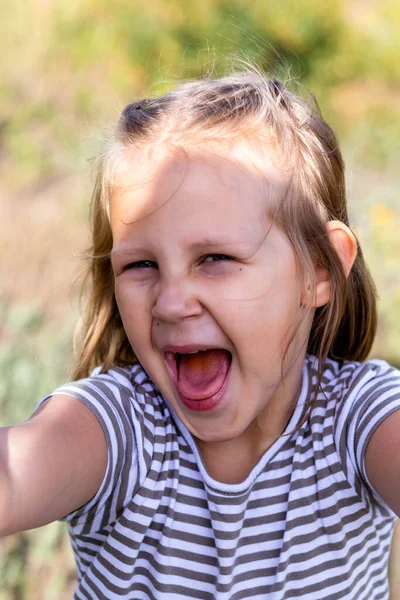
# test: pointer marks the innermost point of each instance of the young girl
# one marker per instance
(230, 442)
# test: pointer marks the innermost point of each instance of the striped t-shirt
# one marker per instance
(304, 524)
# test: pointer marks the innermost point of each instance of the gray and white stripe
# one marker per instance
(304, 524)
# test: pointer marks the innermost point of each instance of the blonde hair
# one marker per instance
(248, 106)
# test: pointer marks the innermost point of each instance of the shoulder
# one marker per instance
(353, 399)
(118, 398)
(365, 394)
(356, 396)
(118, 385)
(126, 404)
(348, 381)
(356, 399)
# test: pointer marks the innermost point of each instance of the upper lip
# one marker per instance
(186, 348)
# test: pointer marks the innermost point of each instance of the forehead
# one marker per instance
(213, 186)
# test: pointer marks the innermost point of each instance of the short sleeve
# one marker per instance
(371, 396)
(110, 401)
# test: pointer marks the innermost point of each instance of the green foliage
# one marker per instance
(83, 58)
(37, 565)
(33, 360)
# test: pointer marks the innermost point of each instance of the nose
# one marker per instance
(176, 300)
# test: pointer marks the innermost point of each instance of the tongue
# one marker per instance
(202, 375)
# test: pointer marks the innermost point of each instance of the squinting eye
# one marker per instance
(217, 257)
(141, 264)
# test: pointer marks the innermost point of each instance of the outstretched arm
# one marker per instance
(383, 461)
(50, 465)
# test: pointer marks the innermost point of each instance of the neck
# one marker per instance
(231, 461)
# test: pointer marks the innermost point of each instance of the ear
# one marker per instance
(345, 244)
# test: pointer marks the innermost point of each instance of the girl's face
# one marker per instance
(199, 266)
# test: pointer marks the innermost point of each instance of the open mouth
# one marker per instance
(201, 374)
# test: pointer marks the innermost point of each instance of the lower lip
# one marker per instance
(206, 403)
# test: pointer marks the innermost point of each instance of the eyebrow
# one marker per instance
(206, 242)
(212, 242)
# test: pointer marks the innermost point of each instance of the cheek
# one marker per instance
(135, 314)
(266, 318)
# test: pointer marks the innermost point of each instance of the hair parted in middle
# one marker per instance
(254, 109)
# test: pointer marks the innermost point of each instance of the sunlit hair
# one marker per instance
(249, 107)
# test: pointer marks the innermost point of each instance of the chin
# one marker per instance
(216, 435)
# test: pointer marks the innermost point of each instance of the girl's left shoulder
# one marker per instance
(351, 378)
(361, 403)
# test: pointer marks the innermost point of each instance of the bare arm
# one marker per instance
(50, 465)
(383, 461)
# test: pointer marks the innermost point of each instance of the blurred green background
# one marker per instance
(66, 71)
